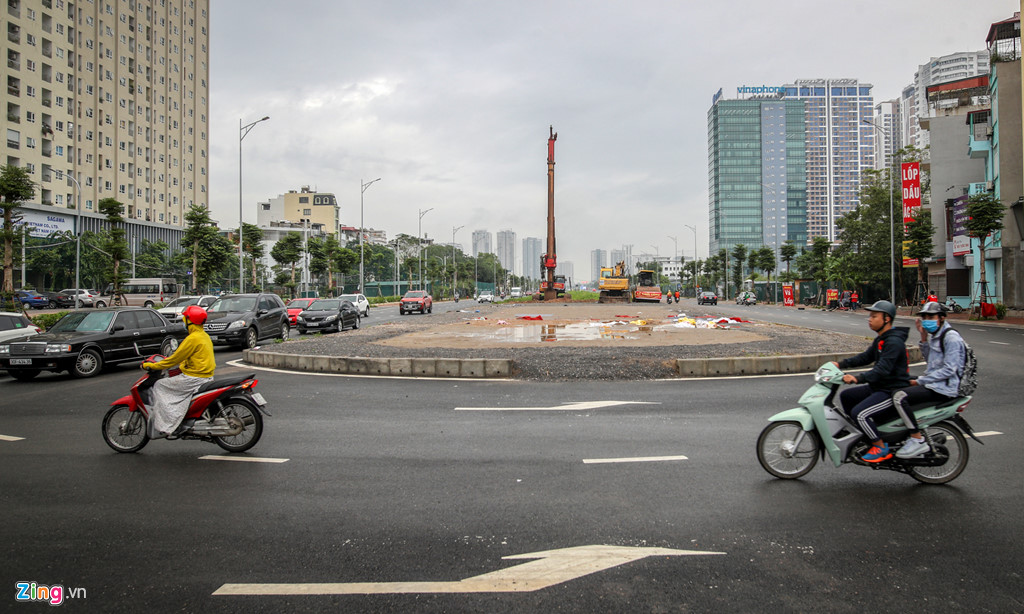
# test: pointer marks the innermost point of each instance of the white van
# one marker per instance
(516, 292)
(141, 292)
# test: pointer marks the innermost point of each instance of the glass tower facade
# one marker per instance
(757, 181)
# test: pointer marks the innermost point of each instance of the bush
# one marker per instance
(46, 320)
(377, 300)
(1000, 311)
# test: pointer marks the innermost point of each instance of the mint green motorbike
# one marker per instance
(790, 445)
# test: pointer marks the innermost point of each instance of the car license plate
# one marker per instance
(213, 337)
(21, 361)
(259, 398)
(312, 324)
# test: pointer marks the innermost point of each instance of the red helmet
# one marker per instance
(195, 314)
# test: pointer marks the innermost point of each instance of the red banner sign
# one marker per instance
(911, 172)
(787, 296)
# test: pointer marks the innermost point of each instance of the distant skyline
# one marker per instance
(449, 103)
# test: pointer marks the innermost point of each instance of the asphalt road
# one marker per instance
(435, 481)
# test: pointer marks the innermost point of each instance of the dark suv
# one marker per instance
(245, 319)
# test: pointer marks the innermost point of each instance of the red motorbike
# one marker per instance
(223, 411)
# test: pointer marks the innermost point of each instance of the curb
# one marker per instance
(495, 368)
(765, 365)
(477, 368)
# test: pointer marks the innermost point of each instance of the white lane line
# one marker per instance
(10, 438)
(637, 459)
(987, 433)
(980, 330)
(244, 459)
(579, 406)
(999, 342)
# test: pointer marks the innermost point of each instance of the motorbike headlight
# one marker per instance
(237, 324)
(56, 348)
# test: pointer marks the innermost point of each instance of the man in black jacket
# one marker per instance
(891, 372)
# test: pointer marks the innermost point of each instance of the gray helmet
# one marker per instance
(931, 307)
(884, 307)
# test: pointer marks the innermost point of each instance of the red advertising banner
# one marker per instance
(787, 296)
(911, 173)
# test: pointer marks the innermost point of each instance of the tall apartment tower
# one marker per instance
(943, 69)
(506, 251)
(532, 249)
(481, 243)
(887, 117)
(839, 145)
(757, 178)
(598, 259)
(115, 94)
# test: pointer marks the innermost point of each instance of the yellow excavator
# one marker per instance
(614, 284)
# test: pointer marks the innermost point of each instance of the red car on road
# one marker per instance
(297, 306)
(416, 300)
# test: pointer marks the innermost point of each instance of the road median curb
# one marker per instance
(765, 365)
(474, 368)
(502, 368)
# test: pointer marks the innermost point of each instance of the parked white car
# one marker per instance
(14, 325)
(85, 297)
(361, 303)
(172, 311)
(485, 297)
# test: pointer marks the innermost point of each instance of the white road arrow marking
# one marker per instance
(633, 459)
(10, 438)
(244, 459)
(987, 433)
(579, 406)
(552, 567)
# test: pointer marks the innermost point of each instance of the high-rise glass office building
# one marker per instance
(757, 181)
(840, 144)
(532, 249)
(506, 251)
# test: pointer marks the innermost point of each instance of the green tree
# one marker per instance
(206, 250)
(151, 258)
(787, 252)
(985, 216)
(287, 252)
(739, 254)
(812, 262)
(766, 262)
(114, 240)
(15, 188)
(919, 243)
(252, 249)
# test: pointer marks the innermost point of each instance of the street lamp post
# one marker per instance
(694, 229)
(242, 132)
(78, 239)
(362, 229)
(455, 268)
(419, 235)
(892, 255)
(675, 254)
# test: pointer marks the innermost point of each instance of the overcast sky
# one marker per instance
(449, 102)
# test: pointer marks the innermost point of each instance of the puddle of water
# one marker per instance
(535, 333)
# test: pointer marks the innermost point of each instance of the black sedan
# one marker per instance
(707, 298)
(82, 342)
(328, 314)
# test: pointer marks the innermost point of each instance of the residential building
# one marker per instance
(598, 259)
(114, 95)
(506, 251)
(481, 243)
(1003, 258)
(943, 69)
(532, 250)
(757, 177)
(300, 206)
(887, 143)
(840, 144)
(908, 116)
(565, 267)
(958, 114)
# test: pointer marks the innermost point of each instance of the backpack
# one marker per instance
(969, 376)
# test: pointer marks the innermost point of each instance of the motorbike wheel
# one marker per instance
(959, 454)
(124, 430)
(238, 409)
(777, 456)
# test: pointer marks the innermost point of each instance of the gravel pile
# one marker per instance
(569, 363)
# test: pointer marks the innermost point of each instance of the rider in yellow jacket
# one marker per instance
(172, 395)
